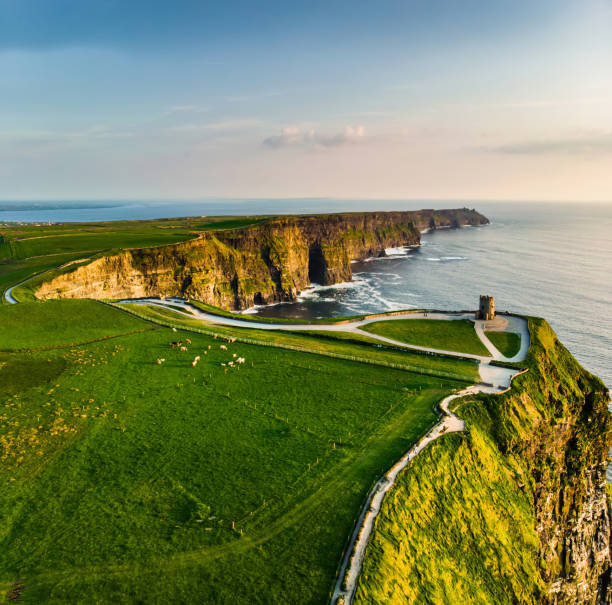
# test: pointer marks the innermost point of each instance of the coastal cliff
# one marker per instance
(515, 510)
(266, 263)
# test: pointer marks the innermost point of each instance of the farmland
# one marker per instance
(130, 479)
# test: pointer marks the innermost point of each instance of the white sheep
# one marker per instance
(160, 361)
(234, 355)
(183, 348)
(194, 363)
(223, 347)
(197, 358)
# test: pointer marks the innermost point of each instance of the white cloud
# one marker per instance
(292, 136)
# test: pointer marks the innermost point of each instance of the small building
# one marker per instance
(486, 308)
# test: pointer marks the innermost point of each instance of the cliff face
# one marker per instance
(267, 263)
(515, 510)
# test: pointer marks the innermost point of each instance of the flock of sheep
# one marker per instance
(179, 344)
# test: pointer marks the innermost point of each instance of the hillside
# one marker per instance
(513, 511)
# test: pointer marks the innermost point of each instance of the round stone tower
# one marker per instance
(486, 308)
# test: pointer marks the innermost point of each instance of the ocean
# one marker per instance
(548, 259)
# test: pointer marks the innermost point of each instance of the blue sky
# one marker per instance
(482, 100)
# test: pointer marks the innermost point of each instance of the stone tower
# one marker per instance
(486, 309)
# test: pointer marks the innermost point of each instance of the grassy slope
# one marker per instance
(464, 511)
(331, 342)
(109, 461)
(435, 333)
(61, 322)
(507, 343)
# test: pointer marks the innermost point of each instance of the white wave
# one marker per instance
(399, 251)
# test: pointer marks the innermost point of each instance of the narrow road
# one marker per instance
(515, 324)
(8, 295)
(494, 380)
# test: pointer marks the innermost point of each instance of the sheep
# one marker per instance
(230, 363)
(183, 348)
(188, 340)
(197, 358)
(194, 363)
(223, 347)
(234, 355)
(209, 347)
(240, 360)
(174, 329)
(160, 361)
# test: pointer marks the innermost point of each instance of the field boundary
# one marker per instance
(264, 343)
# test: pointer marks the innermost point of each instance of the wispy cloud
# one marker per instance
(292, 136)
(585, 145)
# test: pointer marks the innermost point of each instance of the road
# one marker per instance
(494, 380)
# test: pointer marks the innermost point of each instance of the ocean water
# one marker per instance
(551, 260)
(548, 259)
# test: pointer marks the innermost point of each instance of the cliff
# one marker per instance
(514, 511)
(269, 262)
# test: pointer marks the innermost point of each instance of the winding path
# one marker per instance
(494, 380)
(514, 324)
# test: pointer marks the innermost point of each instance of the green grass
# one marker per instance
(330, 342)
(507, 343)
(109, 462)
(472, 512)
(61, 322)
(231, 223)
(456, 335)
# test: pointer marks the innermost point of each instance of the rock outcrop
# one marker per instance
(267, 263)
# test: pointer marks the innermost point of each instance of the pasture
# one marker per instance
(130, 479)
(456, 335)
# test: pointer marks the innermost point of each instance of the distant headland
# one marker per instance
(268, 262)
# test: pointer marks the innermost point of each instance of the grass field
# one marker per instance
(457, 335)
(507, 343)
(61, 322)
(326, 342)
(124, 480)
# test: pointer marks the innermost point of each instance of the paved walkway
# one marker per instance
(494, 380)
(515, 324)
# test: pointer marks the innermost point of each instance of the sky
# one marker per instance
(436, 99)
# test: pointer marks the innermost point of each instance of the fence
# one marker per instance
(266, 343)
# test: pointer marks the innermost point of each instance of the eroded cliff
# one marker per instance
(267, 263)
(515, 511)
